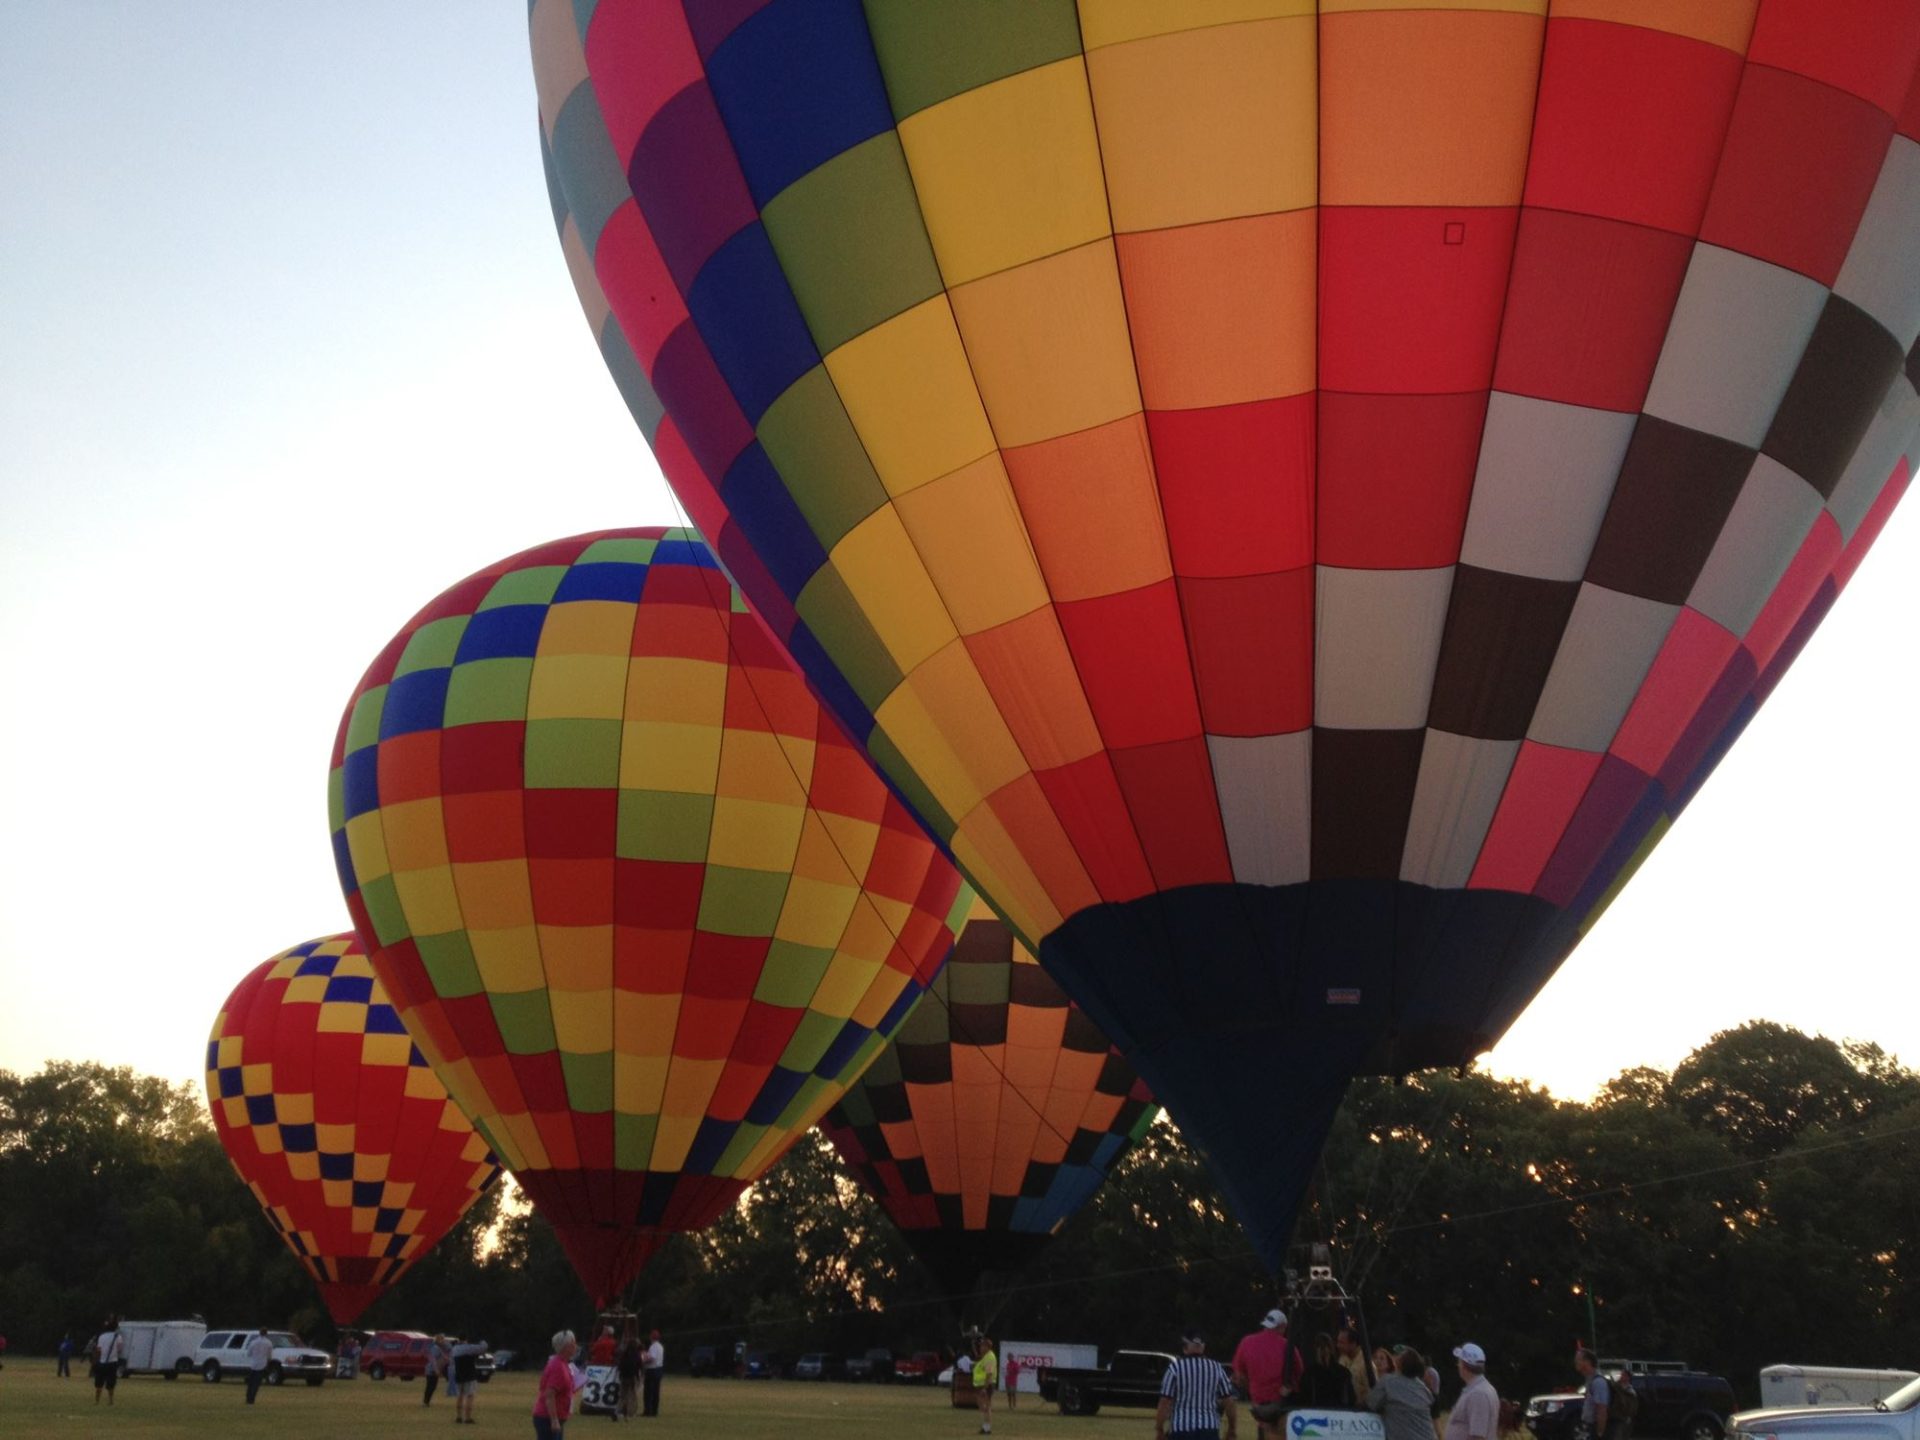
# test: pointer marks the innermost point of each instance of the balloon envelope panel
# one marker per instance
(334, 1120)
(1298, 496)
(993, 1116)
(643, 903)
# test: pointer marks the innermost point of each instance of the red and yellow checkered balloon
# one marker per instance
(643, 903)
(336, 1122)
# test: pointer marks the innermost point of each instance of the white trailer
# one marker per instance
(160, 1347)
(1034, 1355)
(1797, 1385)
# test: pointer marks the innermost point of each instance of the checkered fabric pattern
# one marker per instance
(994, 1115)
(1366, 457)
(336, 1122)
(644, 905)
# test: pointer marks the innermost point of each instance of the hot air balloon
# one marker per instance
(334, 1120)
(993, 1116)
(1298, 496)
(643, 904)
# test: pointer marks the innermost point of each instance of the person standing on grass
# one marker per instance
(653, 1364)
(553, 1404)
(464, 1358)
(1195, 1394)
(436, 1367)
(259, 1357)
(986, 1375)
(1012, 1379)
(1476, 1414)
(1347, 1343)
(1268, 1367)
(65, 1368)
(109, 1349)
(629, 1364)
(1401, 1398)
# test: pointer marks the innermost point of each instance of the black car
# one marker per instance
(1675, 1403)
(873, 1365)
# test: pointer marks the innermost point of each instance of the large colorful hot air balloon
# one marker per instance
(336, 1123)
(1298, 495)
(643, 904)
(993, 1116)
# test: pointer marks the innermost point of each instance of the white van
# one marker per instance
(1797, 1385)
(160, 1347)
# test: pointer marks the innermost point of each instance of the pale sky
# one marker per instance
(287, 346)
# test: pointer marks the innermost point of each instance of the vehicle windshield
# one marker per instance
(1905, 1398)
(282, 1340)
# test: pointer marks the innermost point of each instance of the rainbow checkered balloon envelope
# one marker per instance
(641, 901)
(335, 1121)
(1298, 494)
(993, 1116)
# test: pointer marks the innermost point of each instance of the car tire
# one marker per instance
(1701, 1427)
(376, 1371)
(182, 1366)
(275, 1375)
(1069, 1399)
(210, 1372)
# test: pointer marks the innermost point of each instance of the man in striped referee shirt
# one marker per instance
(1195, 1393)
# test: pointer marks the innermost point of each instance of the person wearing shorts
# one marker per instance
(108, 1351)
(463, 1378)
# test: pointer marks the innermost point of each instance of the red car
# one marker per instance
(399, 1353)
(922, 1367)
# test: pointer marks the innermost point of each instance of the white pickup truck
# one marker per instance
(1895, 1418)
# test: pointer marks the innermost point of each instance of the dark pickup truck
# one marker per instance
(1675, 1403)
(1131, 1378)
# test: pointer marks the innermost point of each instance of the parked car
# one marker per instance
(224, 1352)
(818, 1365)
(763, 1365)
(1130, 1378)
(919, 1368)
(505, 1359)
(161, 1347)
(399, 1353)
(1895, 1418)
(873, 1365)
(1793, 1387)
(1675, 1403)
(703, 1360)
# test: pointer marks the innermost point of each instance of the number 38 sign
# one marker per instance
(601, 1394)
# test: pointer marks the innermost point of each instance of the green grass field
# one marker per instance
(34, 1403)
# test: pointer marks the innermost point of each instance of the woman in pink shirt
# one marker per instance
(554, 1404)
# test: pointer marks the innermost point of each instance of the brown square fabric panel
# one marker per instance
(1834, 395)
(1502, 631)
(1675, 489)
(1362, 794)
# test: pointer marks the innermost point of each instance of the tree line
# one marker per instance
(1755, 1205)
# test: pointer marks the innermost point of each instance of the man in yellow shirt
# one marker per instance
(986, 1375)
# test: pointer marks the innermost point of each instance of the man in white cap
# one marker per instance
(1476, 1414)
(1268, 1366)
